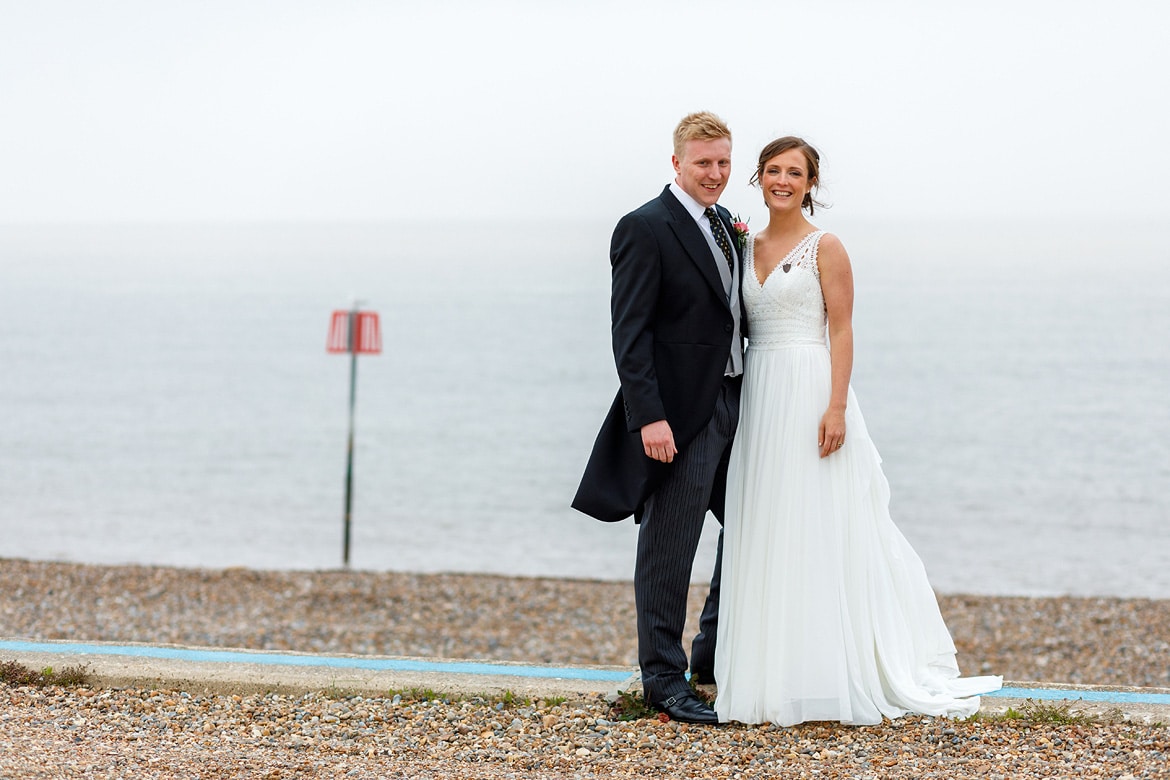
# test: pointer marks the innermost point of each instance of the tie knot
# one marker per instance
(711, 215)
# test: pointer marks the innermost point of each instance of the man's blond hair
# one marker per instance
(699, 126)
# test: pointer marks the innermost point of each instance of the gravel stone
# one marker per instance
(82, 732)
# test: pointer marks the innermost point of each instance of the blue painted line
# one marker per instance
(335, 662)
(1056, 694)
(472, 668)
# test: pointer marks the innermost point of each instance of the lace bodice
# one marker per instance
(788, 309)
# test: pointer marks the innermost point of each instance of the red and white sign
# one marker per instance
(355, 331)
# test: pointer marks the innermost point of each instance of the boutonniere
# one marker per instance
(741, 230)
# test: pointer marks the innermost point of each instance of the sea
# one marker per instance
(166, 397)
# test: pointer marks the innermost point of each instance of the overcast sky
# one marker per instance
(346, 110)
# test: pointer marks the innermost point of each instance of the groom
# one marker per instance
(663, 449)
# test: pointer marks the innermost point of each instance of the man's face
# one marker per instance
(704, 168)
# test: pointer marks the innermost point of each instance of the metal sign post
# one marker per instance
(354, 332)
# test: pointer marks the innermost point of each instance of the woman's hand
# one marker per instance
(831, 434)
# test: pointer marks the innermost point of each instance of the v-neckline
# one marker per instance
(755, 268)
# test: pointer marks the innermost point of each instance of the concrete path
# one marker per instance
(209, 670)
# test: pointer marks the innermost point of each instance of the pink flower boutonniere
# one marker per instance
(741, 230)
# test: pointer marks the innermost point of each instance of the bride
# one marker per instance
(826, 611)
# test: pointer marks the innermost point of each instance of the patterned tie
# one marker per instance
(720, 236)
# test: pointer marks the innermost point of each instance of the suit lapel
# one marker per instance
(690, 235)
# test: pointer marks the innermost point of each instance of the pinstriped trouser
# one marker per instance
(667, 541)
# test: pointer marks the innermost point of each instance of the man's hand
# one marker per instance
(658, 440)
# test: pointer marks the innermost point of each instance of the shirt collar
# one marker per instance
(693, 207)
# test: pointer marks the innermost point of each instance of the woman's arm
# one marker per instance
(837, 287)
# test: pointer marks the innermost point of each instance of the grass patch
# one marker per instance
(704, 695)
(631, 706)
(421, 694)
(17, 674)
(507, 699)
(1047, 713)
(1011, 713)
(510, 699)
(1061, 714)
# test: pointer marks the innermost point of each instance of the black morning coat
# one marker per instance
(672, 331)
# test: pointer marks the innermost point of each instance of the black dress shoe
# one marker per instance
(687, 708)
(702, 677)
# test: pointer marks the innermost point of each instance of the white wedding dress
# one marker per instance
(826, 612)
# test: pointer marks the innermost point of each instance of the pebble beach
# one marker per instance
(60, 732)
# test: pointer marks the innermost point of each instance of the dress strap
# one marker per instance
(806, 252)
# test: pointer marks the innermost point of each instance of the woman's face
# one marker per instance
(785, 180)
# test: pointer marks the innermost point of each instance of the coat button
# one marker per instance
(727, 329)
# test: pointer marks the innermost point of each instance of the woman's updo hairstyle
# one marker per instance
(811, 156)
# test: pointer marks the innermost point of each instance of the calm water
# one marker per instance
(166, 398)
